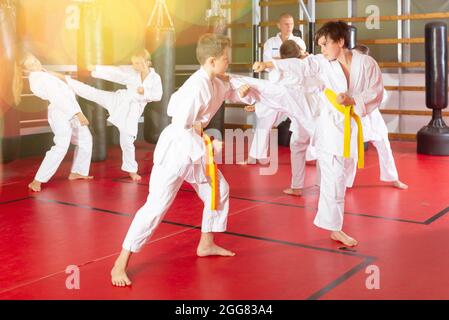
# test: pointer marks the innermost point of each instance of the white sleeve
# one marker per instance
(111, 73)
(308, 67)
(233, 94)
(185, 105)
(384, 99)
(267, 53)
(42, 87)
(370, 97)
(38, 86)
(301, 44)
(267, 56)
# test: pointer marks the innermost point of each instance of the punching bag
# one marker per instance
(10, 80)
(433, 139)
(160, 42)
(284, 133)
(352, 37)
(217, 25)
(91, 51)
(311, 47)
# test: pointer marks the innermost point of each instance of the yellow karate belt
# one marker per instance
(348, 112)
(211, 171)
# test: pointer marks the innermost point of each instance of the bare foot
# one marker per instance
(35, 186)
(77, 176)
(293, 192)
(213, 250)
(342, 237)
(134, 176)
(119, 278)
(248, 161)
(400, 185)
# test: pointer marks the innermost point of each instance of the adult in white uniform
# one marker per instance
(266, 117)
(66, 121)
(358, 80)
(293, 94)
(125, 106)
(180, 156)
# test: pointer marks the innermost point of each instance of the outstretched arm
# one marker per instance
(260, 66)
(58, 75)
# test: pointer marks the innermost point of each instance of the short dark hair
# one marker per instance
(335, 30)
(362, 49)
(290, 49)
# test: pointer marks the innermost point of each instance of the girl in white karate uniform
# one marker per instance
(358, 80)
(293, 93)
(375, 131)
(125, 106)
(180, 156)
(66, 121)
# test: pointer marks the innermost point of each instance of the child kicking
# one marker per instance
(66, 121)
(358, 81)
(125, 106)
(181, 155)
(293, 93)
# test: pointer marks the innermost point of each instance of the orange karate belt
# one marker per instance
(211, 171)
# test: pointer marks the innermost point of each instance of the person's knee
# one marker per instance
(88, 141)
(62, 142)
(224, 189)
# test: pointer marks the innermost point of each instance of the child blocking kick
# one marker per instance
(183, 153)
(266, 116)
(68, 123)
(125, 106)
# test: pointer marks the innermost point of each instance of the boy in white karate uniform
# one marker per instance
(292, 93)
(267, 117)
(180, 156)
(66, 120)
(125, 106)
(358, 80)
(375, 131)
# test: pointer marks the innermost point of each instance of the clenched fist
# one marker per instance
(82, 119)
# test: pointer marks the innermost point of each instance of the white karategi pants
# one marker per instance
(388, 171)
(164, 185)
(261, 139)
(299, 143)
(106, 99)
(66, 131)
(333, 170)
